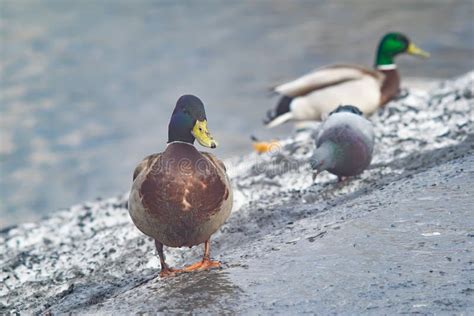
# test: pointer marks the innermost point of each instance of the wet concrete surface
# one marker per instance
(396, 239)
(406, 247)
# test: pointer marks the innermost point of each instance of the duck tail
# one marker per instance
(281, 114)
(271, 92)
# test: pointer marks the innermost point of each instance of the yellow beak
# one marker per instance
(201, 133)
(414, 50)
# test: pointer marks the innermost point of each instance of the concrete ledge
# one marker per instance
(399, 238)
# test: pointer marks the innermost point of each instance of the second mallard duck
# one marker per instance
(315, 95)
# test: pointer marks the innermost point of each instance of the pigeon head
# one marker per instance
(347, 108)
(322, 159)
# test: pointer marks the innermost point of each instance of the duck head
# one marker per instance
(188, 122)
(393, 44)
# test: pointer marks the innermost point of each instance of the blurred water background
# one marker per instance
(87, 87)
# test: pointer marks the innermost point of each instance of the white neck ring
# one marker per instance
(387, 67)
(179, 142)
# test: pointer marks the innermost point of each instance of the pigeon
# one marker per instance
(344, 144)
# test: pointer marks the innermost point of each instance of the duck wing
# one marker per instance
(325, 77)
(227, 198)
(216, 162)
(145, 164)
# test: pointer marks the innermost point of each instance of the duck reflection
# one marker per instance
(203, 291)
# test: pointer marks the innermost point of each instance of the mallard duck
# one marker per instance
(315, 95)
(180, 197)
(344, 144)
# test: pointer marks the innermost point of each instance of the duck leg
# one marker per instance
(165, 270)
(342, 178)
(206, 263)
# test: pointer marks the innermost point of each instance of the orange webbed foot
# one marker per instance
(205, 264)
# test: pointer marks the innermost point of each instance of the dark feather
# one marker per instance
(347, 108)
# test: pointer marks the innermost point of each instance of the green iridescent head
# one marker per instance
(188, 122)
(393, 44)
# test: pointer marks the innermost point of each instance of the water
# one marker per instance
(87, 87)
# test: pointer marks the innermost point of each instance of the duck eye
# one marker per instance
(200, 129)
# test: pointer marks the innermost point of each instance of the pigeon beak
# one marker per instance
(315, 174)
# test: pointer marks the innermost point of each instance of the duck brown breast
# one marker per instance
(183, 196)
(390, 86)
